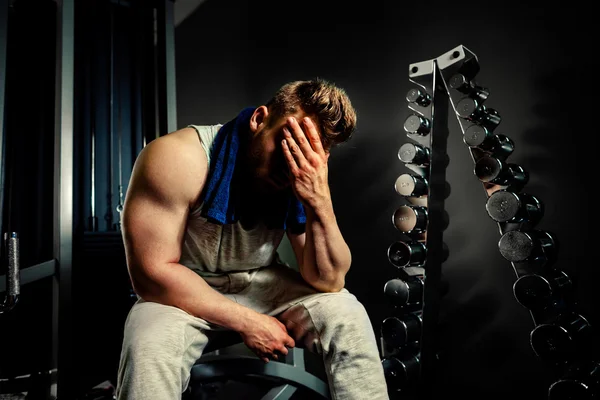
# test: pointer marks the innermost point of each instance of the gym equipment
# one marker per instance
(86, 81)
(108, 215)
(565, 338)
(226, 358)
(401, 369)
(461, 83)
(403, 292)
(480, 137)
(403, 254)
(562, 333)
(401, 331)
(581, 381)
(535, 247)
(93, 218)
(411, 185)
(410, 219)
(506, 206)
(421, 221)
(11, 241)
(539, 291)
(13, 285)
(490, 169)
(413, 153)
(119, 207)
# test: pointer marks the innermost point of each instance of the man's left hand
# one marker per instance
(307, 162)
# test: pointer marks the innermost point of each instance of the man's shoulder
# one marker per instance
(169, 163)
(178, 146)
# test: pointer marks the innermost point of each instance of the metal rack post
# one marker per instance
(63, 328)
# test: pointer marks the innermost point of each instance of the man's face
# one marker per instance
(265, 153)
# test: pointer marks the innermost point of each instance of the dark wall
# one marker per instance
(537, 62)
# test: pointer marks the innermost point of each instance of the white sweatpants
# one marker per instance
(161, 343)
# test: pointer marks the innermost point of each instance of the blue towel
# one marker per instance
(223, 193)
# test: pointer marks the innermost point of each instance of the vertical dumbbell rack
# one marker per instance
(561, 336)
(408, 342)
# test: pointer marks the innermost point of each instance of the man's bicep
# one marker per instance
(164, 183)
(152, 230)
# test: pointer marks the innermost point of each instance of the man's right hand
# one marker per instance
(265, 336)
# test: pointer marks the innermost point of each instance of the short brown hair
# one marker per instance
(321, 99)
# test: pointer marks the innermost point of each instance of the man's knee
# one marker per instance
(154, 331)
(341, 309)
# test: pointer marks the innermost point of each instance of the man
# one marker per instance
(206, 209)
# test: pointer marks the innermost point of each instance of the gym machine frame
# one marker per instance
(60, 268)
(561, 333)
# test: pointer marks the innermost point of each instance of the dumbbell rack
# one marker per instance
(409, 346)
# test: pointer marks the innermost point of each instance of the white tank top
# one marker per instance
(210, 249)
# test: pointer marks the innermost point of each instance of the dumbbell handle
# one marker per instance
(13, 287)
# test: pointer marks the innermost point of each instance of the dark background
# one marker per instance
(538, 63)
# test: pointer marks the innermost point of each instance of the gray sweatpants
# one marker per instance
(161, 343)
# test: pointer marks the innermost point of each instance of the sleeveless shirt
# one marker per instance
(210, 249)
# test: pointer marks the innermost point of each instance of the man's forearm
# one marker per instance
(176, 285)
(327, 257)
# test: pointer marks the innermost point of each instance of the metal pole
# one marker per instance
(167, 99)
(435, 232)
(3, 52)
(62, 329)
(93, 218)
(119, 207)
(108, 216)
(137, 81)
(145, 22)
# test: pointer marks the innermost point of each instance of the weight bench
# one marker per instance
(226, 358)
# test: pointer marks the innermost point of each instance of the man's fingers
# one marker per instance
(313, 136)
(301, 138)
(293, 167)
(295, 150)
(279, 351)
(290, 342)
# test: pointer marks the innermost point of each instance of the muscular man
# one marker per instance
(206, 209)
